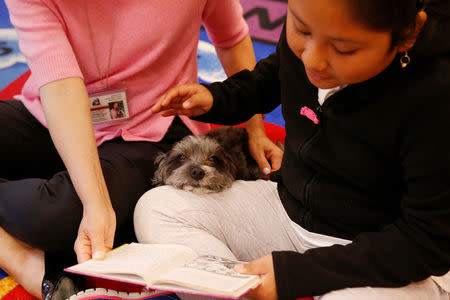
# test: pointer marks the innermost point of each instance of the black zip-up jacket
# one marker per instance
(375, 169)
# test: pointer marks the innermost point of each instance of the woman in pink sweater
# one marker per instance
(73, 174)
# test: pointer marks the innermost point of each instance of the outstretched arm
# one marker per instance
(236, 99)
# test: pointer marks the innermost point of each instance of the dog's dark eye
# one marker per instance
(181, 157)
(214, 159)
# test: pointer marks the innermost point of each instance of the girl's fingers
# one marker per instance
(171, 95)
(170, 104)
(201, 102)
(156, 108)
(169, 112)
(167, 100)
(176, 112)
(189, 100)
(179, 94)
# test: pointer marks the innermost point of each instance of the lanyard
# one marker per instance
(103, 79)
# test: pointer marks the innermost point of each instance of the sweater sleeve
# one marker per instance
(244, 94)
(413, 247)
(224, 22)
(43, 40)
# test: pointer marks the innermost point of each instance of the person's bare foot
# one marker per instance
(24, 263)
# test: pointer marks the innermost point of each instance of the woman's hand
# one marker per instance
(189, 99)
(261, 147)
(96, 232)
(263, 266)
(264, 150)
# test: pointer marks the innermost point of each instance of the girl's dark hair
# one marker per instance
(395, 16)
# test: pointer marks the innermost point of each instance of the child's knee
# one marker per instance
(163, 198)
(155, 209)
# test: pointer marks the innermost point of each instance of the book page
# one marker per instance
(148, 261)
(210, 273)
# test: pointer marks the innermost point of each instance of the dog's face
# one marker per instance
(198, 164)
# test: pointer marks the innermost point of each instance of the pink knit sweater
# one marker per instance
(154, 49)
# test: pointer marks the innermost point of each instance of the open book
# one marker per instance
(173, 268)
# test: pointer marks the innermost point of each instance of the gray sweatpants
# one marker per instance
(245, 222)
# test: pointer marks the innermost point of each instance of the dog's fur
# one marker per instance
(207, 163)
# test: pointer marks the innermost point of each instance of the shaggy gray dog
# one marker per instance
(207, 163)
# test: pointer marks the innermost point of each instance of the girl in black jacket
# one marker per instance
(364, 89)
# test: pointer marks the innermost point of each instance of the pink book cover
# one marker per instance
(139, 285)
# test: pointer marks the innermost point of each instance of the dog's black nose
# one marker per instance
(197, 173)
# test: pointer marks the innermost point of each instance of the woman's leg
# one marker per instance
(24, 263)
(44, 212)
(26, 151)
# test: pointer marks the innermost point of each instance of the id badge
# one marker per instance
(109, 106)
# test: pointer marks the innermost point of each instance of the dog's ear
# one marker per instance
(161, 165)
(229, 161)
(159, 158)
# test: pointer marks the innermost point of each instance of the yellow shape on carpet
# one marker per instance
(7, 284)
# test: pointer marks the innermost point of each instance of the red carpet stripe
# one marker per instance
(18, 293)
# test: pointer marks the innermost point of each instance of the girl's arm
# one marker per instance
(230, 102)
(246, 93)
(66, 106)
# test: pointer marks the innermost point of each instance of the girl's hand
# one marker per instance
(263, 266)
(96, 232)
(190, 100)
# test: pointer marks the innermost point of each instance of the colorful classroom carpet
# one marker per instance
(265, 19)
(10, 289)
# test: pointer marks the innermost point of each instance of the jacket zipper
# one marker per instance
(309, 183)
(319, 112)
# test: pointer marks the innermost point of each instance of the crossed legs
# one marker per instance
(245, 222)
(39, 208)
